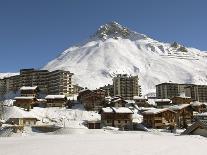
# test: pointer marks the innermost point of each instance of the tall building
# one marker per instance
(170, 90)
(126, 86)
(60, 82)
(197, 92)
(32, 77)
(2, 87)
(57, 82)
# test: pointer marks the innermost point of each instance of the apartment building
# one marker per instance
(170, 90)
(2, 87)
(126, 86)
(32, 77)
(60, 82)
(197, 92)
(57, 82)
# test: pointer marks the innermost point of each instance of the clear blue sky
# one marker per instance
(33, 32)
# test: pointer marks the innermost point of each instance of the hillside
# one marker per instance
(115, 49)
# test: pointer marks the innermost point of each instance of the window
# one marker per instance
(125, 121)
(119, 121)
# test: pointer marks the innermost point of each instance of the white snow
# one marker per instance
(55, 97)
(28, 88)
(122, 110)
(155, 111)
(24, 97)
(102, 143)
(5, 75)
(154, 62)
(179, 107)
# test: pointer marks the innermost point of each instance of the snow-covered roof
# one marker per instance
(139, 98)
(162, 100)
(179, 107)
(107, 110)
(116, 110)
(122, 110)
(55, 97)
(28, 88)
(156, 111)
(16, 112)
(196, 103)
(130, 101)
(24, 98)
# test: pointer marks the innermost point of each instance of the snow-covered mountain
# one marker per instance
(115, 49)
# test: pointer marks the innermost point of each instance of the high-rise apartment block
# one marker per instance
(170, 90)
(57, 82)
(126, 86)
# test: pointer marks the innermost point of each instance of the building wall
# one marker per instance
(60, 83)
(197, 92)
(126, 86)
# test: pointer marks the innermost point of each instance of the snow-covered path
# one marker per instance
(104, 143)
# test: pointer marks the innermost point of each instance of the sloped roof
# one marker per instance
(196, 103)
(116, 110)
(179, 107)
(28, 88)
(55, 97)
(157, 111)
(24, 98)
(122, 110)
(194, 126)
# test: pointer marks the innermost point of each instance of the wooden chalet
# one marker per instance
(141, 101)
(163, 103)
(22, 121)
(116, 117)
(159, 118)
(197, 128)
(181, 100)
(93, 100)
(29, 91)
(56, 100)
(93, 124)
(199, 106)
(26, 102)
(184, 114)
(117, 101)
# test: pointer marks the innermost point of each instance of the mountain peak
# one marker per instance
(115, 30)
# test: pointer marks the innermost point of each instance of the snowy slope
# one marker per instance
(4, 75)
(115, 49)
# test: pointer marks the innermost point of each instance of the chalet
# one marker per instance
(159, 118)
(93, 124)
(117, 101)
(26, 102)
(29, 91)
(56, 100)
(181, 100)
(22, 121)
(198, 106)
(163, 103)
(93, 100)
(141, 101)
(184, 114)
(82, 93)
(197, 128)
(20, 117)
(117, 117)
